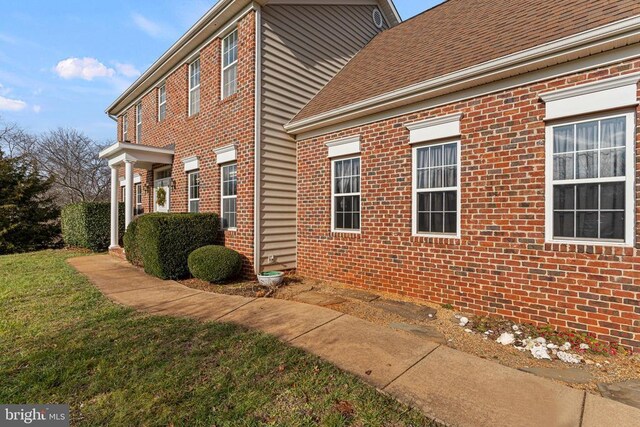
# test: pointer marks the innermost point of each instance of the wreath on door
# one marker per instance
(161, 196)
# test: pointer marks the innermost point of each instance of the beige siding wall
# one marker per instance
(302, 48)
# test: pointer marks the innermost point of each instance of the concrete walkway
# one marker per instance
(447, 385)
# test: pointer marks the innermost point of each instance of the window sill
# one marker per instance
(590, 247)
(229, 98)
(449, 239)
(193, 116)
(346, 234)
(230, 230)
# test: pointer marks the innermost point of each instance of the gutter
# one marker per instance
(522, 61)
(258, 139)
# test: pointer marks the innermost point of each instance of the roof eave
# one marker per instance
(615, 34)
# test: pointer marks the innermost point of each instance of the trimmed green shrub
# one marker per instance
(130, 241)
(215, 263)
(165, 240)
(88, 225)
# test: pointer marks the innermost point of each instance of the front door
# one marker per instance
(162, 190)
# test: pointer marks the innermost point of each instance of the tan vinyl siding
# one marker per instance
(303, 47)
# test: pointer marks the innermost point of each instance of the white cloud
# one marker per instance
(8, 104)
(148, 26)
(127, 70)
(36, 108)
(83, 68)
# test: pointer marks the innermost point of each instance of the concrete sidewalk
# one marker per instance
(447, 385)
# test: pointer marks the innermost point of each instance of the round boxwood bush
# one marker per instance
(214, 263)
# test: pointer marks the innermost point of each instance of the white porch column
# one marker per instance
(114, 207)
(128, 192)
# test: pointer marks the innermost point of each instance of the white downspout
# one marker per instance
(257, 131)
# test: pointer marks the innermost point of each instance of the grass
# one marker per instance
(61, 341)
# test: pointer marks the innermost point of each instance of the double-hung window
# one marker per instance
(194, 191)
(345, 200)
(230, 64)
(139, 122)
(590, 179)
(138, 195)
(162, 102)
(229, 195)
(125, 126)
(194, 87)
(436, 179)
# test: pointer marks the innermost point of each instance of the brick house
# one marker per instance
(202, 128)
(481, 154)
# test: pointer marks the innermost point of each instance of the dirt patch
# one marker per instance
(445, 321)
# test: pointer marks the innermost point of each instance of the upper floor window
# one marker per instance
(138, 195)
(590, 166)
(125, 126)
(194, 191)
(346, 194)
(436, 188)
(194, 87)
(139, 122)
(229, 195)
(162, 102)
(230, 64)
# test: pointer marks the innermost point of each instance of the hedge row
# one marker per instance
(162, 242)
(88, 225)
(215, 264)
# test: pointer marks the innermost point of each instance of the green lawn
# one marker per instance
(61, 341)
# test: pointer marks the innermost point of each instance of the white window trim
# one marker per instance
(189, 199)
(344, 146)
(435, 128)
(138, 122)
(161, 103)
(333, 196)
(629, 179)
(414, 191)
(225, 154)
(223, 197)
(125, 126)
(191, 163)
(223, 68)
(192, 89)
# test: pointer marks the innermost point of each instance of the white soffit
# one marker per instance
(191, 163)
(608, 94)
(225, 154)
(435, 128)
(344, 146)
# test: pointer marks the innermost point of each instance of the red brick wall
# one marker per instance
(218, 124)
(501, 264)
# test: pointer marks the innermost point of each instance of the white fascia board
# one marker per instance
(191, 163)
(609, 94)
(343, 146)
(225, 154)
(435, 128)
(621, 32)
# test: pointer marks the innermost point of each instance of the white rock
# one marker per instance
(540, 352)
(552, 346)
(464, 321)
(518, 332)
(584, 346)
(457, 316)
(566, 346)
(568, 357)
(469, 331)
(515, 327)
(506, 338)
(541, 340)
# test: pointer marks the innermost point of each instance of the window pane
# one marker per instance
(450, 201)
(339, 220)
(563, 224)
(612, 162)
(424, 202)
(355, 167)
(563, 166)
(587, 136)
(450, 154)
(423, 156)
(194, 206)
(422, 178)
(437, 202)
(356, 221)
(612, 196)
(450, 225)
(586, 166)
(612, 225)
(450, 176)
(435, 178)
(613, 132)
(563, 139)
(436, 156)
(563, 197)
(437, 222)
(587, 196)
(423, 222)
(348, 221)
(587, 224)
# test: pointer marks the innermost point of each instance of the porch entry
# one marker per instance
(162, 189)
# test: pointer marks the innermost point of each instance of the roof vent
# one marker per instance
(378, 21)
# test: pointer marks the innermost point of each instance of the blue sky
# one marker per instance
(63, 62)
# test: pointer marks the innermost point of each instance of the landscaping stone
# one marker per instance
(506, 338)
(570, 375)
(318, 298)
(426, 332)
(357, 294)
(568, 357)
(406, 309)
(627, 392)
